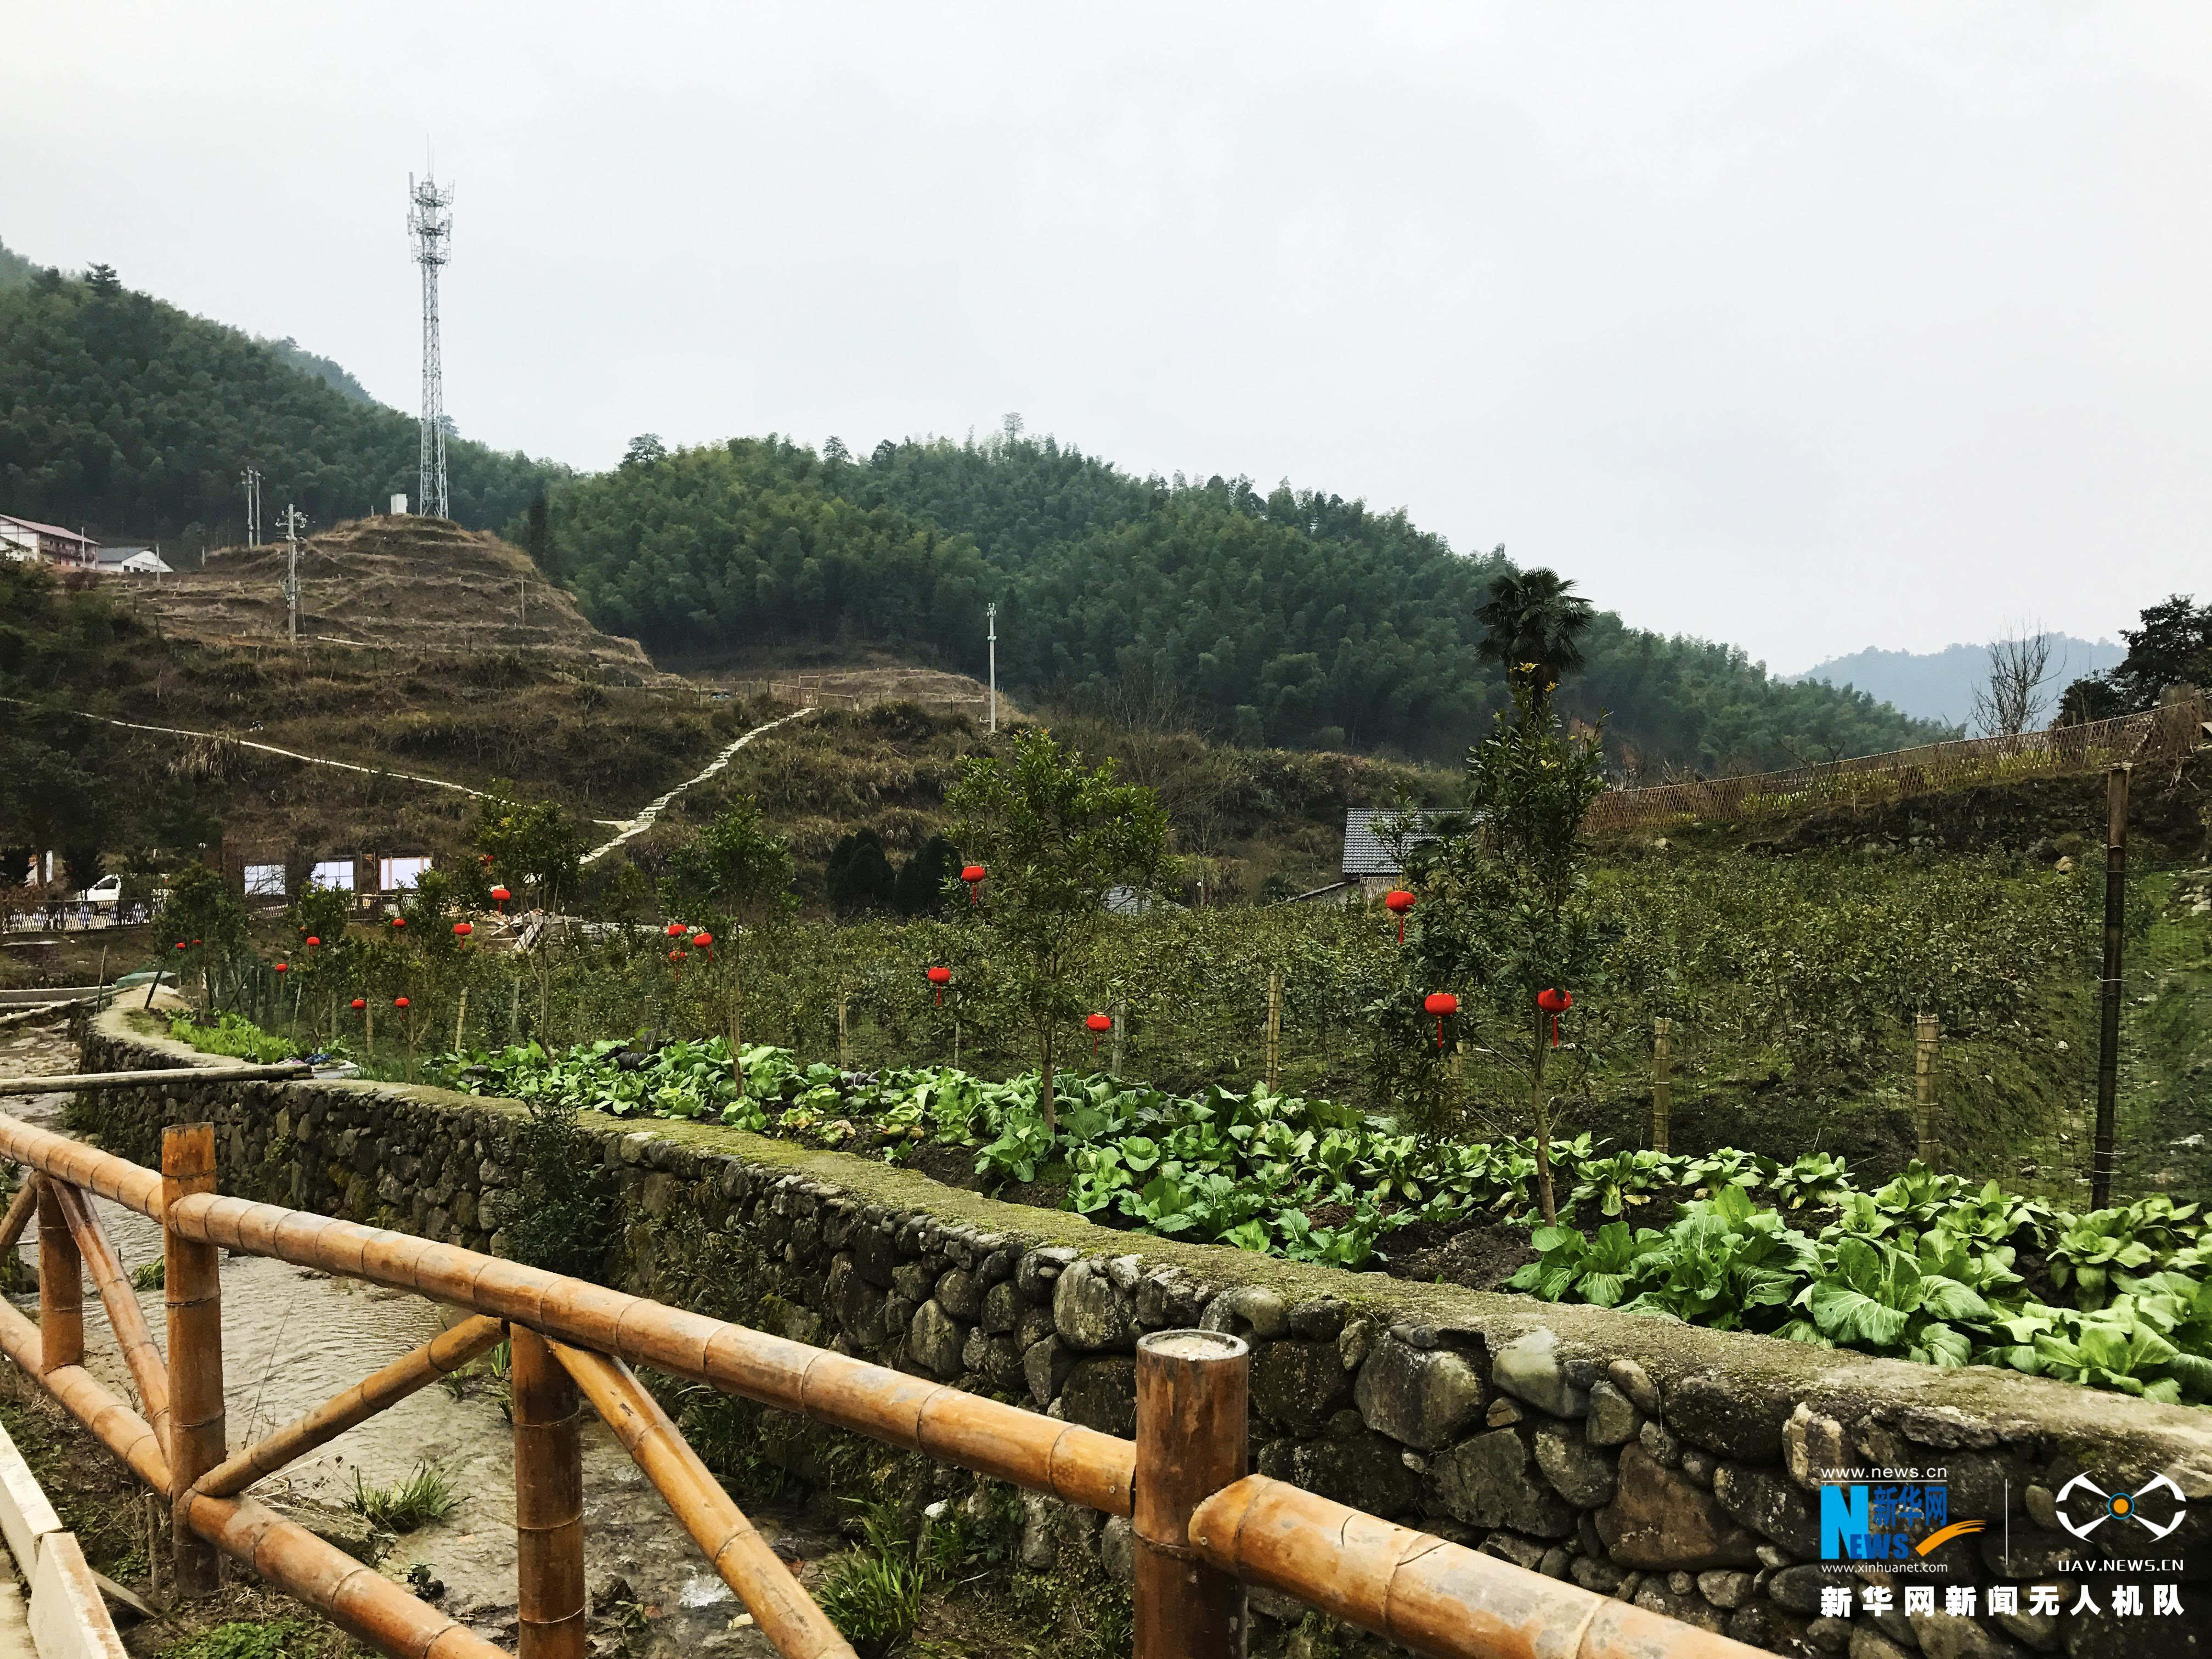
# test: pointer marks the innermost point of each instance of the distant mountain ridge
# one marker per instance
(1939, 685)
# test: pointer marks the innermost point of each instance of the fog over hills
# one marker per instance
(1939, 685)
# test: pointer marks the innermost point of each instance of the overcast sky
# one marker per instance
(1805, 327)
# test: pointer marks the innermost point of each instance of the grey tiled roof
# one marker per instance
(1365, 851)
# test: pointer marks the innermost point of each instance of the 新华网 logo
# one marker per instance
(1873, 1522)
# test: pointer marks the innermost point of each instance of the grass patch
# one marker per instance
(426, 1496)
(237, 1037)
(153, 1276)
(252, 1639)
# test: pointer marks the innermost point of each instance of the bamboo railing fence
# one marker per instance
(1204, 1528)
(2165, 733)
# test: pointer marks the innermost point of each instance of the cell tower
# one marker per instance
(430, 226)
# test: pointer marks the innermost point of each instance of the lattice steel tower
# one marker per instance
(430, 226)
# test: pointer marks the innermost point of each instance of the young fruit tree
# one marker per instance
(1504, 896)
(1055, 837)
(736, 876)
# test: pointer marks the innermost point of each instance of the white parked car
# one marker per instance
(108, 890)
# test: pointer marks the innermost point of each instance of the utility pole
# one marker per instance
(292, 522)
(2102, 1163)
(991, 611)
(430, 225)
(252, 479)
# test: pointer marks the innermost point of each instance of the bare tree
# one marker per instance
(2017, 696)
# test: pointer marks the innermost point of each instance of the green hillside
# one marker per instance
(1293, 618)
(129, 417)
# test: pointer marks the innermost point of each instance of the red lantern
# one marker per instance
(463, 929)
(500, 897)
(282, 966)
(360, 1003)
(196, 941)
(1441, 1002)
(399, 1002)
(1398, 900)
(312, 941)
(1099, 1024)
(973, 875)
(703, 940)
(399, 922)
(674, 930)
(180, 944)
(940, 976)
(1554, 1002)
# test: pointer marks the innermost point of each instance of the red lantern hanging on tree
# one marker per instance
(703, 940)
(1554, 1002)
(283, 967)
(312, 941)
(1397, 902)
(1099, 1024)
(463, 929)
(500, 897)
(1440, 1003)
(399, 922)
(940, 976)
(674, 930)
(399, 1002)
(973, 875)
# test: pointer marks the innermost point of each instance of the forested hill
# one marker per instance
(131, 417)
(1292, 617)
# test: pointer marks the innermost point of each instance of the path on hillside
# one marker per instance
(645, 820)
(289, 754)
(629, 828)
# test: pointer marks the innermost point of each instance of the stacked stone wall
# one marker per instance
(1673, 1466)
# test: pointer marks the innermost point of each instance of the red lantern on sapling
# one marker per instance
(360, 1005)
(703, 940)
(1554, 1002)
(400, 1002)
(312, 941)
(1397, 902)
(1440, 1003)
(973, 875)
(500, 897)
(674, 930)
(399, 922)
(1099, 1024)
(940, 976)
(463, 929)
(283, 967)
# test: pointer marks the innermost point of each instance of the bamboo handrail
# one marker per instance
(1006, 1442)
(78, 1081)
(149, 1372)
(1435, 1598)
(114, 1424)
(20, 1209)
(358, 1598)
(1417, 1590)
(443, 1354)
(779, 1606)
(80, 1165)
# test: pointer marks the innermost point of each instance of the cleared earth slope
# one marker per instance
(423, 585)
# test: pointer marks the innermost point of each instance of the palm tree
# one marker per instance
(1533, 623)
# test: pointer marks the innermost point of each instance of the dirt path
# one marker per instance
(292, 1338)
(645, 820)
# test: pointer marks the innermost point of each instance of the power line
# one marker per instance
(430, 226)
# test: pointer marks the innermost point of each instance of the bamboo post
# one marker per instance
(61, 1286)
(460, 1019)
(194, 1299)
(844, 1060)
(1274, 1031)
(1192, 1400)
(2108, 1030)
(549, 1503)
(1662, 1081)
(1121, 1025)
(955, 1042)
(368, 1030)
(1923, 1081)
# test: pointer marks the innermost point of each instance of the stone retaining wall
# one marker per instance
(1641, 1458)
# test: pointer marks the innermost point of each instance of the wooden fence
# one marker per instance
(1204, 1528)
(2165, 733)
